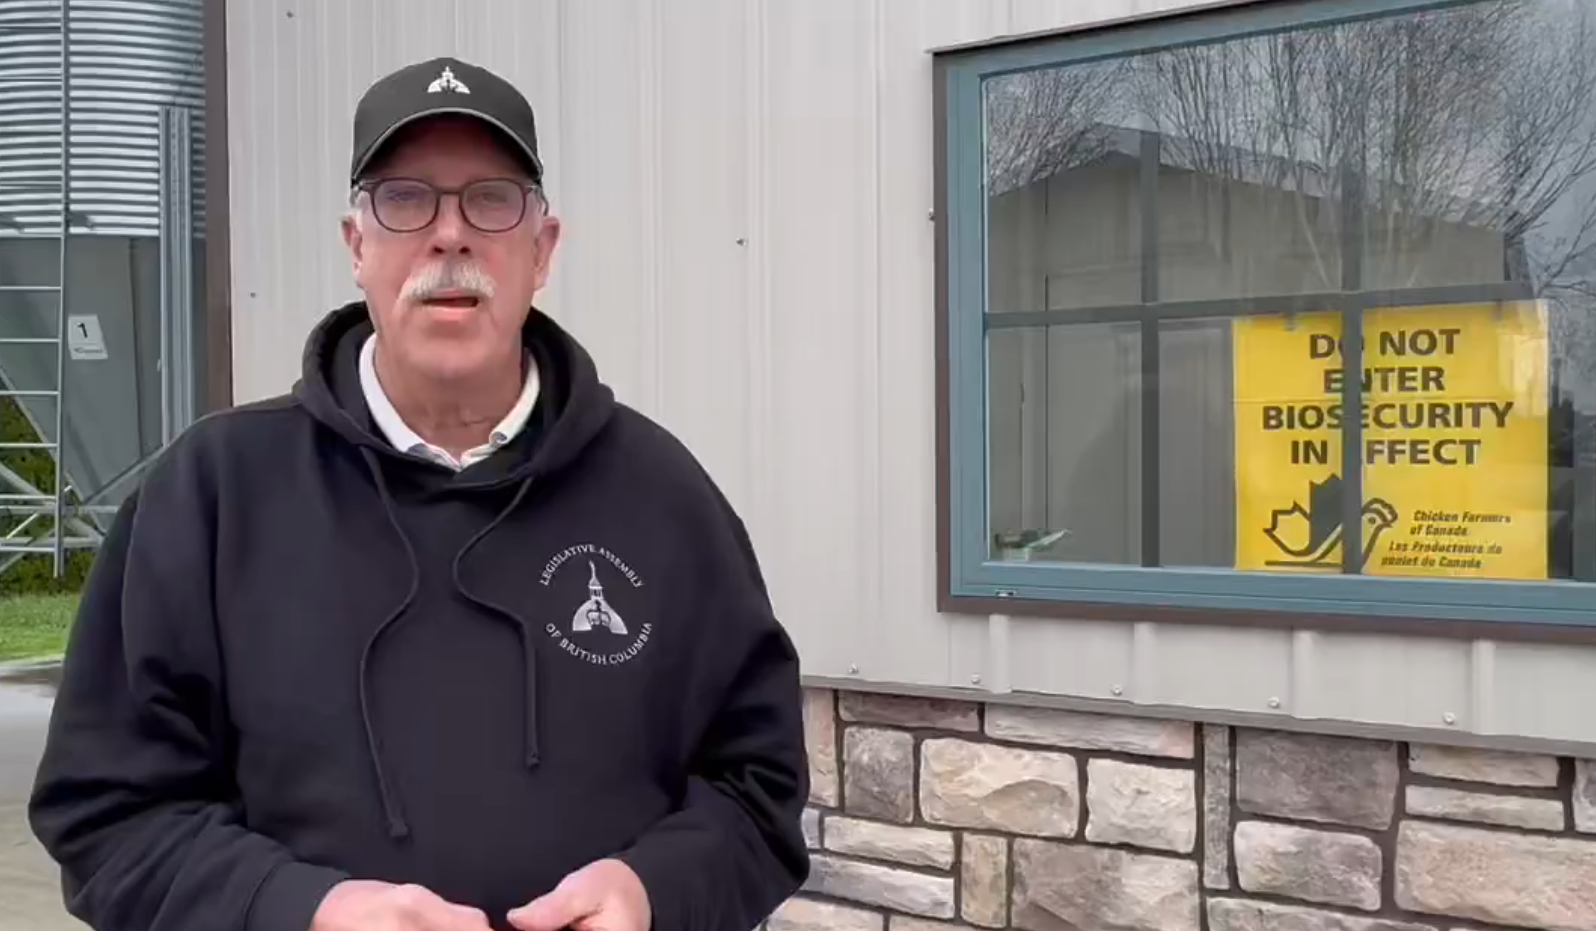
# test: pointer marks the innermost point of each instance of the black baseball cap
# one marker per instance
(435, 88)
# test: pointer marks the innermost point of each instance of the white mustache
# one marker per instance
(459, 277)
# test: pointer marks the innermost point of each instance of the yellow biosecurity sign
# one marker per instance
(1454, 456)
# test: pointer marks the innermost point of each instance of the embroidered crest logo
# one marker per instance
(595, 611)
(596, 633)
(447, 82)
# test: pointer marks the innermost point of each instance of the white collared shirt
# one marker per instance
(399, 434)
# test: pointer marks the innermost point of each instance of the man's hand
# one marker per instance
(602, 896)
(365, 905)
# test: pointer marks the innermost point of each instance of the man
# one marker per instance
(445, 639)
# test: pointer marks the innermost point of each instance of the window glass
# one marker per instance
(1064, 424)
(1064, 224)
(1177, 241)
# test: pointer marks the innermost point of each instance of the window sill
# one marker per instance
(1561, 612)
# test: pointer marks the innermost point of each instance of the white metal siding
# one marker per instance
(748, 256)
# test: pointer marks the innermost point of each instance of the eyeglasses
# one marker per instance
(492, 205)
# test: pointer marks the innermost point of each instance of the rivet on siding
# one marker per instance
(853, 669)
(1118, 690)
(975, 679)
(931, 215)
(1274, 703)
(742, 241)
(1449, 718)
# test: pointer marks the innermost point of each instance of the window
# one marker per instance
(1154, 242)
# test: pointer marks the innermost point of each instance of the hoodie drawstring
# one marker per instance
(529, 654)
(397, 826)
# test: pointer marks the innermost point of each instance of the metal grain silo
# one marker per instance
(101, 108)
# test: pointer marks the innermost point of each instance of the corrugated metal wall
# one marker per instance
(748, 255)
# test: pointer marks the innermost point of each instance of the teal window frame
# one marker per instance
(969, 582)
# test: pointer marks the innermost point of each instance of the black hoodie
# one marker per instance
(303, 656)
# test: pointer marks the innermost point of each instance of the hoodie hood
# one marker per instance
(573, 405)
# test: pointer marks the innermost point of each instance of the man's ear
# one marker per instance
(548, 239)
(354, 240)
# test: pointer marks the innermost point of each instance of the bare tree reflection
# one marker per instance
(1479, 117)
(1042, 122)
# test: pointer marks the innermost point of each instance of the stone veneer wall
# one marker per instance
(931, 815)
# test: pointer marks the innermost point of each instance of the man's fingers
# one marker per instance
(465, 918)
(551, 913)
(559, 909)
(540, 915)
(432, 912)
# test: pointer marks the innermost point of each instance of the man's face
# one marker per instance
(448, 299)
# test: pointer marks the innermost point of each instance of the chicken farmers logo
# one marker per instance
(598, 631)
(1313, 535)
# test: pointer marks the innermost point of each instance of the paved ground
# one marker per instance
(30, 894)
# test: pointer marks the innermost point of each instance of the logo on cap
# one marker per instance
(447, 82)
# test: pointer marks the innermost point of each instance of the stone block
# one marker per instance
(993, 788)
(1140, 736)
(1303, 777)
(1538, 814)
(1075, 886)
(984, 880)
(878, 774)
(811, 826)
(1241, 915)
(1494, 767)
(899, 844)
(910, 923)
(805, 914)
(1313, 865)
(909, 711)
(881, 886)
(1216, 806)
(1520, 880)
(1145, 806)
(820, 737)
(1585, 796)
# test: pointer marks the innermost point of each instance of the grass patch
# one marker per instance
(35, 625)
